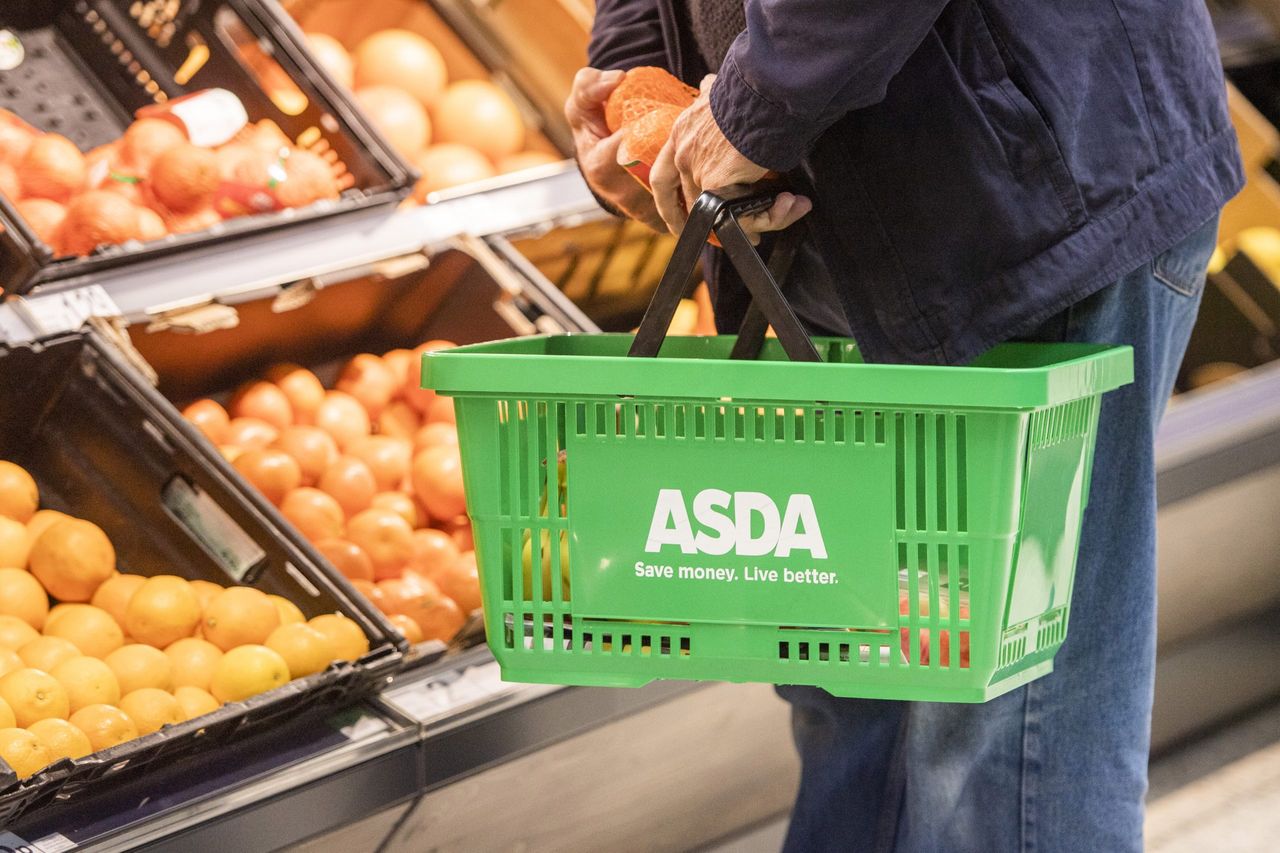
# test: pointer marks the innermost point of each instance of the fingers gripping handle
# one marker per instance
(716, 213)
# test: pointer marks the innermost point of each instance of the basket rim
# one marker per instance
(1015, 376)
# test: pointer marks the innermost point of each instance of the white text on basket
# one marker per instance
(726, 519)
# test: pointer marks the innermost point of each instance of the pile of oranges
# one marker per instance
(369, 472)
(454, 133)
(151, 182)
(116, 656)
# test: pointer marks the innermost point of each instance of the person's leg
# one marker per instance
(1061, 763)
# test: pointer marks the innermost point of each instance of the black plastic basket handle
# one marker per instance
(714, 212)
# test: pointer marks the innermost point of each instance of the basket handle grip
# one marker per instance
(718, 212)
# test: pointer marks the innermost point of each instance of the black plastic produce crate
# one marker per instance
(86, 66)
(105, 446)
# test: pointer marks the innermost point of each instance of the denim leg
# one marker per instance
(1060, 764)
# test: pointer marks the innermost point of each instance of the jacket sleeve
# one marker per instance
(625, 34)
(802, 64)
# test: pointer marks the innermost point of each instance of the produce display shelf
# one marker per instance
(317, 775)
(334, 250)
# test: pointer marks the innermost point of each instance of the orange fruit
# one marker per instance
(7, 719)
(25, 753)
(72, 558)
(398, 116)
(205, 591)
(239, 616)
(388, 459)
(263, 401)
(301, 387)
(163, 610)
(385, 536)
(304, 649)
(185, 177)
(401, 504)
(44, 216)
(150, 225)
(9, 661)
(193, 662)
(347, 557)
(250, 433)
(289, 612)
(442, 411)
(437, 482)
(137, 666)
(526, 160)
(432, 550)
(333, 57)
(437, 615)
(400, 57)
(99, 218)
(315, 513)
(13, 543)
(347, 637)
(311, 447)
(646, 82)
(16, 633)
(272, 472)
(22, 596)
(399, 420)
(351, 484)
(45, 653)
(247, 671)
(406, 626)
(210, 418)
(41, 521)
(105, 726)
(19, 496)
(367, 378)
(413, 392)
(62, 739)
(195, 702)
(151, 709)
(34, 695)
(398, 361)
(114, 594)
(446, 165)
(460, 581)
(343, 417)
(433, 434)
(91, 629)
(146, 139)
(53, 168)
(88, 681)
(479, 114)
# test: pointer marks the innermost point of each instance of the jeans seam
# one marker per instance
(1030, 769)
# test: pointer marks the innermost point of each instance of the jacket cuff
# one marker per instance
(764, 132)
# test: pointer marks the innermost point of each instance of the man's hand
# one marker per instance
(698, 157)
(597, 149)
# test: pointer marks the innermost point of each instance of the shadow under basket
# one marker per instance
(881, 531)
(104, 446)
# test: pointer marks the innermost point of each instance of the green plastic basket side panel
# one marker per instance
(1058, 456)
(926, 510)
(1011, 376)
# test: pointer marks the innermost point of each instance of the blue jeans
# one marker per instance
(1059, 764)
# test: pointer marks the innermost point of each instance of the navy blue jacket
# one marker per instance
(976, 165)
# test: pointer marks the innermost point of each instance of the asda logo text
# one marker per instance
(746, 523)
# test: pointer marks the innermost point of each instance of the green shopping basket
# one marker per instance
(730, 508)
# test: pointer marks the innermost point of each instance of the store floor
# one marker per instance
(1220, 792)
